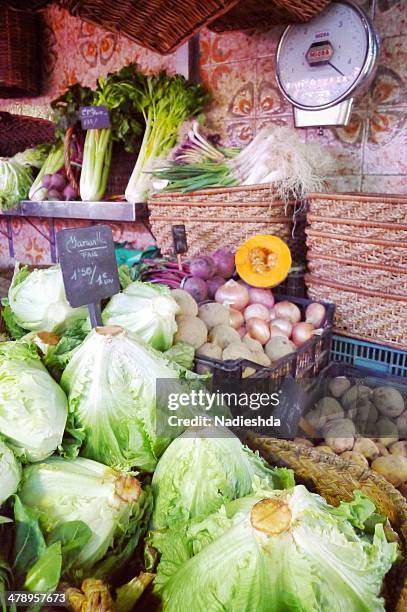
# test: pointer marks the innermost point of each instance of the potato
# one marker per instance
(355, 394)
(399, 448)
(303, 442)
(278, 347)
(254, 345)
(209, 349)
(382, 449)
(330, 408)
(403, 490)
(185, 301)
(213, 314)
(366, 447)
(223, 335)
(393, 468)
(338, 385)
(355, 457)
(191, 330)
(401, 423)
(387, 432)
(363, 410)
(339, 434)
(325, 449)
(388, 401)
(315, 419)
(236, 350)
(261, 358)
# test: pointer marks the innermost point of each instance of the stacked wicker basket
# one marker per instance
(357, 257)
(225, 217)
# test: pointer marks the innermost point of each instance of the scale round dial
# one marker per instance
(322, 62)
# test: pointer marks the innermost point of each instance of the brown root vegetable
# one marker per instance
(363, 410)
(339, 434)
(403, 490)
(254, 345)
(355, 394)
(387, 432)
(315, 419)
(399, 448)
(366, 447)
(279, 347)
(260, 358)
(213, 314)
(223, 335)
(330, 408)
(236, 350)
(303, 442)
(383, 451)
(393, 468)
(388, 401)
(355, 457)
(209, 349)
(185, 301)
(339, 385)
(191, 330)
(401, 423)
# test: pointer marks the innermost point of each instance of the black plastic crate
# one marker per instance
(293, 285)
(305, 362)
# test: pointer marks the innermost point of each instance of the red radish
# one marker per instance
(232, 294)
(284, 325)
(259, 330)
(287, 310)
(53, 195)
(315, 314)
(70, 193)
(46, 181)
(213, 285)
(196, 287)
(261, 296)
(236, 318)
(58, 182)
(225, 262)
(276, 331)
(202, 267)
(257, 311)
(241, 331)
(302, 332)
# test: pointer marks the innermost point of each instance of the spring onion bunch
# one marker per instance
(276, 156)
(165, 102)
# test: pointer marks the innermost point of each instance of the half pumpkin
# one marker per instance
(263, 261)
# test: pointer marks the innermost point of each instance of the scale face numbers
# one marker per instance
(322, 62)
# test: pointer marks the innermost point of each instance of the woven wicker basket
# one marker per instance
(367, 315)
(385, 279)
(249, 14)
(357, 206)
(336, 480)
(18, 132)
(225, 217)
(20, 64)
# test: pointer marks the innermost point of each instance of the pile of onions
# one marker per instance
(287, 310)
(302, 332)
(258, 329)
(233, 294)
(315, 314)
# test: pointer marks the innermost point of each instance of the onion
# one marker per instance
(284, 325)
(236, 318)
(302, 332)
(272, 314)
(277, 331)
(232, 294)
(261, 296)
(256, 311)
(287, 310)
(241, 331)
(258, 329)
(315, 314)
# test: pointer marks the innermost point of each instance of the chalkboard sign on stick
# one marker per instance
(89, 267)
(179, 238)
(94, 117)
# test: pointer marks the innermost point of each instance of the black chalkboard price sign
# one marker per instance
(89, 267)
(179, 238)
(94, 117)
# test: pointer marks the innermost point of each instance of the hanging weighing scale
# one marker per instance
(323, 64)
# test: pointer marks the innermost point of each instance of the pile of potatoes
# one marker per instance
(367, 425)
(208, 329)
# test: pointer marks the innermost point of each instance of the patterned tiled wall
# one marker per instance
(239, 69)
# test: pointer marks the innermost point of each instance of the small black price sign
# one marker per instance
(179, 237)
(94, 117)
(89, 267)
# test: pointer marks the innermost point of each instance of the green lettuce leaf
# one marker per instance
(181, 353)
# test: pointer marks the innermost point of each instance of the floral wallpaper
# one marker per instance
(239, 69)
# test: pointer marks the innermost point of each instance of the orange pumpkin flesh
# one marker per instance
(263, 261)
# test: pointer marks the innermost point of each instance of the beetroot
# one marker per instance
(70, 193)
(202, 267)
(53, 195)
(225, 262)
(46, 181)
(213, 285)
(58, 182)
(196, 287)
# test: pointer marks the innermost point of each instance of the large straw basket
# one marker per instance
(336, 480)
(368, 315)
(225, 217)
